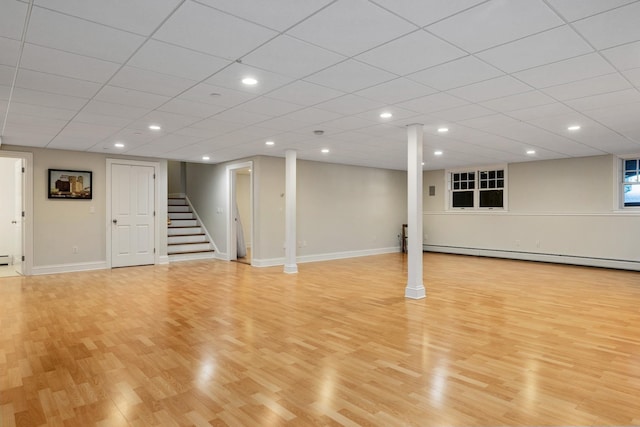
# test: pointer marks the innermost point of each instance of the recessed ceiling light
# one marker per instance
(443, 130)
(154, 127)
(422, 163)
(270, 143)
(437, 153)
(531, 152)
(574, 127)
(249, 81)
(206, 157)
(325, 150)
(118, 145)
(386, 115)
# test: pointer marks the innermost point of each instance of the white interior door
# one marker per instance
(132, 215)
(18, 221)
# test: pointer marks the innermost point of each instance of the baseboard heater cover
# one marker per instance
(533, 256)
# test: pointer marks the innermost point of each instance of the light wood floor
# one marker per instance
(495, 342)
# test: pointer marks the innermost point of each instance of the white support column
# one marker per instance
(415, 287)
(290, 265)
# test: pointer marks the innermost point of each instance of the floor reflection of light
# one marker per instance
(206, 373)
(438, 384)
(327, 388)
(531, 384)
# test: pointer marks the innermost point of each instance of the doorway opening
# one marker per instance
(240, 223)
(15, 214)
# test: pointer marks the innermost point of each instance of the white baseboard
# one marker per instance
(163, 259)
(68, 268)
(272, 262)
(531, 256)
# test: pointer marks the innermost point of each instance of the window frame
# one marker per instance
(477, 170)
(619, 182)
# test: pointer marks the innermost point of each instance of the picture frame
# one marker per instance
(69, 184)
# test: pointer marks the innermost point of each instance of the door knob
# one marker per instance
(115, 221)
(14, 222)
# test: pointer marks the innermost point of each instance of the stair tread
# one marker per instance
(187, 243)
(190, 252)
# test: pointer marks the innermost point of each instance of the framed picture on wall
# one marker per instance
(70, 184)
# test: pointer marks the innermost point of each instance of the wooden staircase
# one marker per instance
(187, 238)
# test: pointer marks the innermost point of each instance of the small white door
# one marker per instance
(18, 221)
(132, 215)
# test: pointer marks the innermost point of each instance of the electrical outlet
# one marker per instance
(74, 249)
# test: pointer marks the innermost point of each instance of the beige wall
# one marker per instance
(558, 208)
(176, 177)
(340, 208)
(59, 225)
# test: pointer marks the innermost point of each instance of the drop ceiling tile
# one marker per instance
(567, 71)
(543, 48)
(176, 61)
(349, 123)
(269, 107)
(426, 11)
(633, 76)
(66, 64)
(624, 57)
(12, 19)
(216, 95)
(460, 72)
(401, 56)
(240, 116)
(133, 98)
(619, 118)
(395, 91)
(597, 85)
(40, 111)
(99, 119)
(25, 138)
(69, 34)
(496, 22)
(43, 125)
(213, 126)
(300, 119)
(150, 81)
(573, 10)
(6, 75)
(9, 51)
(399, 114)
(350, 76)
(169, 122)
(465, 112)
(598, 29)
(140, 17)
(349, 104)
(541, 111)
(292, 57)
(303, 93)
(276, 14)
(231, 77)
(85, 130)
(518, 102)
(51, 83)
(204, 29)
(490, 89)
(537, 137)
(628, 96)
(493, 121)
(351, 27)
(191, 108)
(430, 103)
(27, 96)
(117, 110)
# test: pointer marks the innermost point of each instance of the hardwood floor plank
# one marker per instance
(496, 342)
